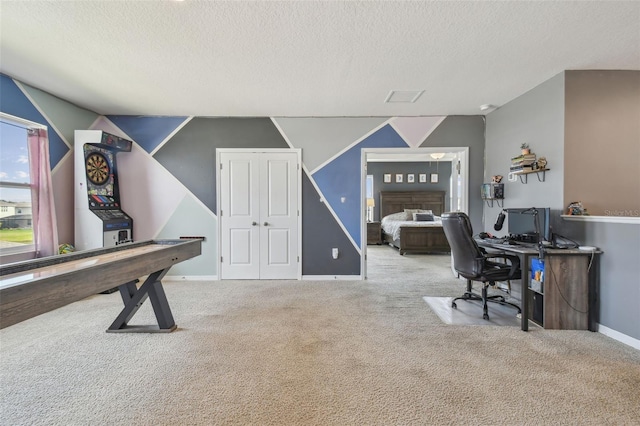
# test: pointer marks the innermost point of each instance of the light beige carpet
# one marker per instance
(311, 353)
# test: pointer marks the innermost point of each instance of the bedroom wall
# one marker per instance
(378, 169)
(168, 179)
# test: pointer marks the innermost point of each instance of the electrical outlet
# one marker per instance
(334, 253)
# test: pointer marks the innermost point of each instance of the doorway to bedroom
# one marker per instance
(434, 178)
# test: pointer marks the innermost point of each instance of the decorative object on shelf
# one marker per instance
(576, 209)
(491, 192)
(434, 178)
(387, 178)
(542, 163)
(523, 162)
(496, 179)
(537, 275)
(526, 163)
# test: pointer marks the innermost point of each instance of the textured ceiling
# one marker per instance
(307, 58)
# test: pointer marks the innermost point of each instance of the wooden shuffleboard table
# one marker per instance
(33, 287)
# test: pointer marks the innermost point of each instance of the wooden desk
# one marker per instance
(33, 287)
(568, 301)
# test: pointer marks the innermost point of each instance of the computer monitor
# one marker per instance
(521, 223)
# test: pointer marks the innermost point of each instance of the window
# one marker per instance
(16, 228)
(369, 198)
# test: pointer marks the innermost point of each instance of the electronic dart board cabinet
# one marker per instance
(99, 218)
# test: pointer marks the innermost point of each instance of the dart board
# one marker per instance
(98, 169)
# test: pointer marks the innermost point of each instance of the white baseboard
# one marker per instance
(331, 277)
(616, 335)
(190, 278)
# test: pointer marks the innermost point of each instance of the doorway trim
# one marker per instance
(461, 155)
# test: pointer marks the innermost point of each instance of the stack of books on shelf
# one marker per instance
(523, 163)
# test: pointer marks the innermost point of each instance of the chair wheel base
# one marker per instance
(485, 316)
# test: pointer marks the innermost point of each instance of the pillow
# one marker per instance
(423, 217)
(398, 216)
(412, 211)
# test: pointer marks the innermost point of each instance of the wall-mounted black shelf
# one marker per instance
(499, 202)
(492, 192)
(523, 175)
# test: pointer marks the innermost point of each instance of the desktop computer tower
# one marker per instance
(537, 313)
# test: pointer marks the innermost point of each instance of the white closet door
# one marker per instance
(240, 216)
(279, 216)
(259, 215)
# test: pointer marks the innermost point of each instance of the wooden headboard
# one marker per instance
(394, 202)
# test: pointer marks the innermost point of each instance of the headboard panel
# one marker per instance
(394, 202)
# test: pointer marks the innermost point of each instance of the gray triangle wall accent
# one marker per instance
(190, 155)
(320, 234)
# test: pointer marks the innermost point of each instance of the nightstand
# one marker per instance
(374, 233)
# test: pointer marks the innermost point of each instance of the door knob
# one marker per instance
(266, 224)
(253, 223)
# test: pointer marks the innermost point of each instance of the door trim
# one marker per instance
(462, 155)
(217, 165)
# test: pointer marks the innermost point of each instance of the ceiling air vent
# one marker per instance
(403, 96)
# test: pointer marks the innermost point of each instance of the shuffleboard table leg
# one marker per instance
(133, 299)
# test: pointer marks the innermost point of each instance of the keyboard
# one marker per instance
(506, 242)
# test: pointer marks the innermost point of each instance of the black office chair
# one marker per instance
(475, 264)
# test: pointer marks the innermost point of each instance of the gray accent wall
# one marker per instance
(321, 139)
(191, 154)
(619, 288)
(536, 118)
(465, 131)
(320, 234)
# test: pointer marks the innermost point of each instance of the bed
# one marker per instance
(409, 235)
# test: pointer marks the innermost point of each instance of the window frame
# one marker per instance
(27, 251)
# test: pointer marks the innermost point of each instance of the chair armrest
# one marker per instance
(514, 261)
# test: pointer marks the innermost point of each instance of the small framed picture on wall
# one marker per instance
(423, 177)
(410, 178)
(399, 177)
(434, 178)
(387, 178)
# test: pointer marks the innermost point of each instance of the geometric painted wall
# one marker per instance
(168, 180)
(62, 119)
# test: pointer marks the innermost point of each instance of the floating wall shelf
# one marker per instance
(523, 175)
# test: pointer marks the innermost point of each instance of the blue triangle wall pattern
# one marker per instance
(340, 179)
(148, 132)
(21, 106)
